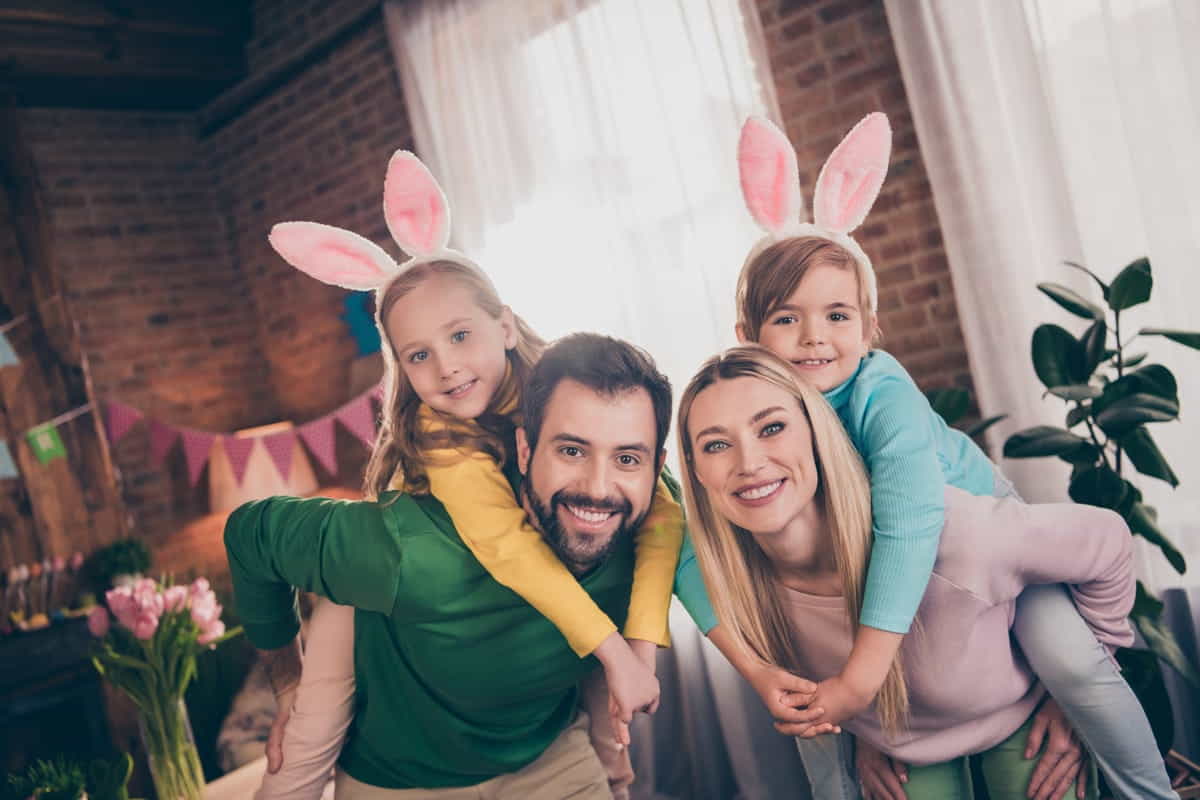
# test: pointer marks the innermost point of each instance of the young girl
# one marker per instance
(455, 360)
(808, 293)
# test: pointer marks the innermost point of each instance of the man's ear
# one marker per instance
(739, 330)
(522, 451)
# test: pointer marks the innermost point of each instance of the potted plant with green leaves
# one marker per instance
(1111, 398)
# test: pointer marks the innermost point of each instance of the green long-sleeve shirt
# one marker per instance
(458, 679)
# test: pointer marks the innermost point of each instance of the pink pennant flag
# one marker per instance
(162, 436)
(238, 452)
(196, 447)
(120, 419)
(377, 393)
(318, 435)
(359, 418)
(280, 446)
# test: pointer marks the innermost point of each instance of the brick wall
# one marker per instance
(164, 316)
(834, 62)
(184, 310)
(315, 149)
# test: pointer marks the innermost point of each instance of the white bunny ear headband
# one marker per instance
(417, 216)
(846, 188)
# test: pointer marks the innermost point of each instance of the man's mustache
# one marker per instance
(617, 504)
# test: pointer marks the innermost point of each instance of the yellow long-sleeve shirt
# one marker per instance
(477, 496)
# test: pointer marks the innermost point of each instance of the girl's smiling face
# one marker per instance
(452, 351)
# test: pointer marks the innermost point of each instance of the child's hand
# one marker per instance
(646, 651)
(283, 711)
(788, 698)
(879, 776)
(840, 699)
(283, 667)
(632, 686)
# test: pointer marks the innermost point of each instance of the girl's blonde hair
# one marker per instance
(739, 576)
(401, 442)
(768, 279)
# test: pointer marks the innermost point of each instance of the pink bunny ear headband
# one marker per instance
(846, 188)
(417, 216)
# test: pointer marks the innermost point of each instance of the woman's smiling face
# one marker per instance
(752, 451)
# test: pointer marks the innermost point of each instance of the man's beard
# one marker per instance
(582, 553)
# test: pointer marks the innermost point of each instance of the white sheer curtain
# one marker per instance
(588, 151)
(1065, 129)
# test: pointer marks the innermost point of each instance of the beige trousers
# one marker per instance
(569, 768)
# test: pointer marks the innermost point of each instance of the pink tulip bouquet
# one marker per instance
(150, 654)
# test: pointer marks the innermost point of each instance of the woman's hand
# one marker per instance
(880, 777)
(1062, 762)
(788, 699)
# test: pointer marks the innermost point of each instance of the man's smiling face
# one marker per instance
(590, 476)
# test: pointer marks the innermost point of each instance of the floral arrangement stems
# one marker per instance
(151, 656)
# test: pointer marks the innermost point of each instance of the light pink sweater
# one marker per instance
(968, 684)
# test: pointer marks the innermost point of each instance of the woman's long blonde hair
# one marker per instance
(401, 442)
(739, 576)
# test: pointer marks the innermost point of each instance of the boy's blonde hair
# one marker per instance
(739, 576)
(401, 442)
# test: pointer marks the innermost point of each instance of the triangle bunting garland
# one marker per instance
(358, 417)
(238, 452)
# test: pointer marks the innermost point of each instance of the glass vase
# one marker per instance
(171, 750)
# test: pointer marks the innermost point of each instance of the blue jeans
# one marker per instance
(1078, 672)
(826, 762)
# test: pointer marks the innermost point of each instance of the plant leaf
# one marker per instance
(1058, 357)
(1093, 343)
(1042, 440)
(1142, 522)
(1072, 301)
(1136, 409)
(1188, 338)
(1103, 286)
(1132, 285)
(1134, 360)
(1144, 675)
(1098, 486)
(1147, 616)
(1146, 457)
(983, 425)
(1154, 379)
(1076, 392)
(1077, 415)
(1083, 455)
(951, 404)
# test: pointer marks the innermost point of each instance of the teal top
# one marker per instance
(458, 679)
(911, 454)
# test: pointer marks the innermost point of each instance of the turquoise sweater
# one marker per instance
(910, 454)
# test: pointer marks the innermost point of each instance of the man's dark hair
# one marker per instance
(607, 365)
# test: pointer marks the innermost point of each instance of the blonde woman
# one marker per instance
(780, 515)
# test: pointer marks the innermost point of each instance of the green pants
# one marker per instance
(1004, 770)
